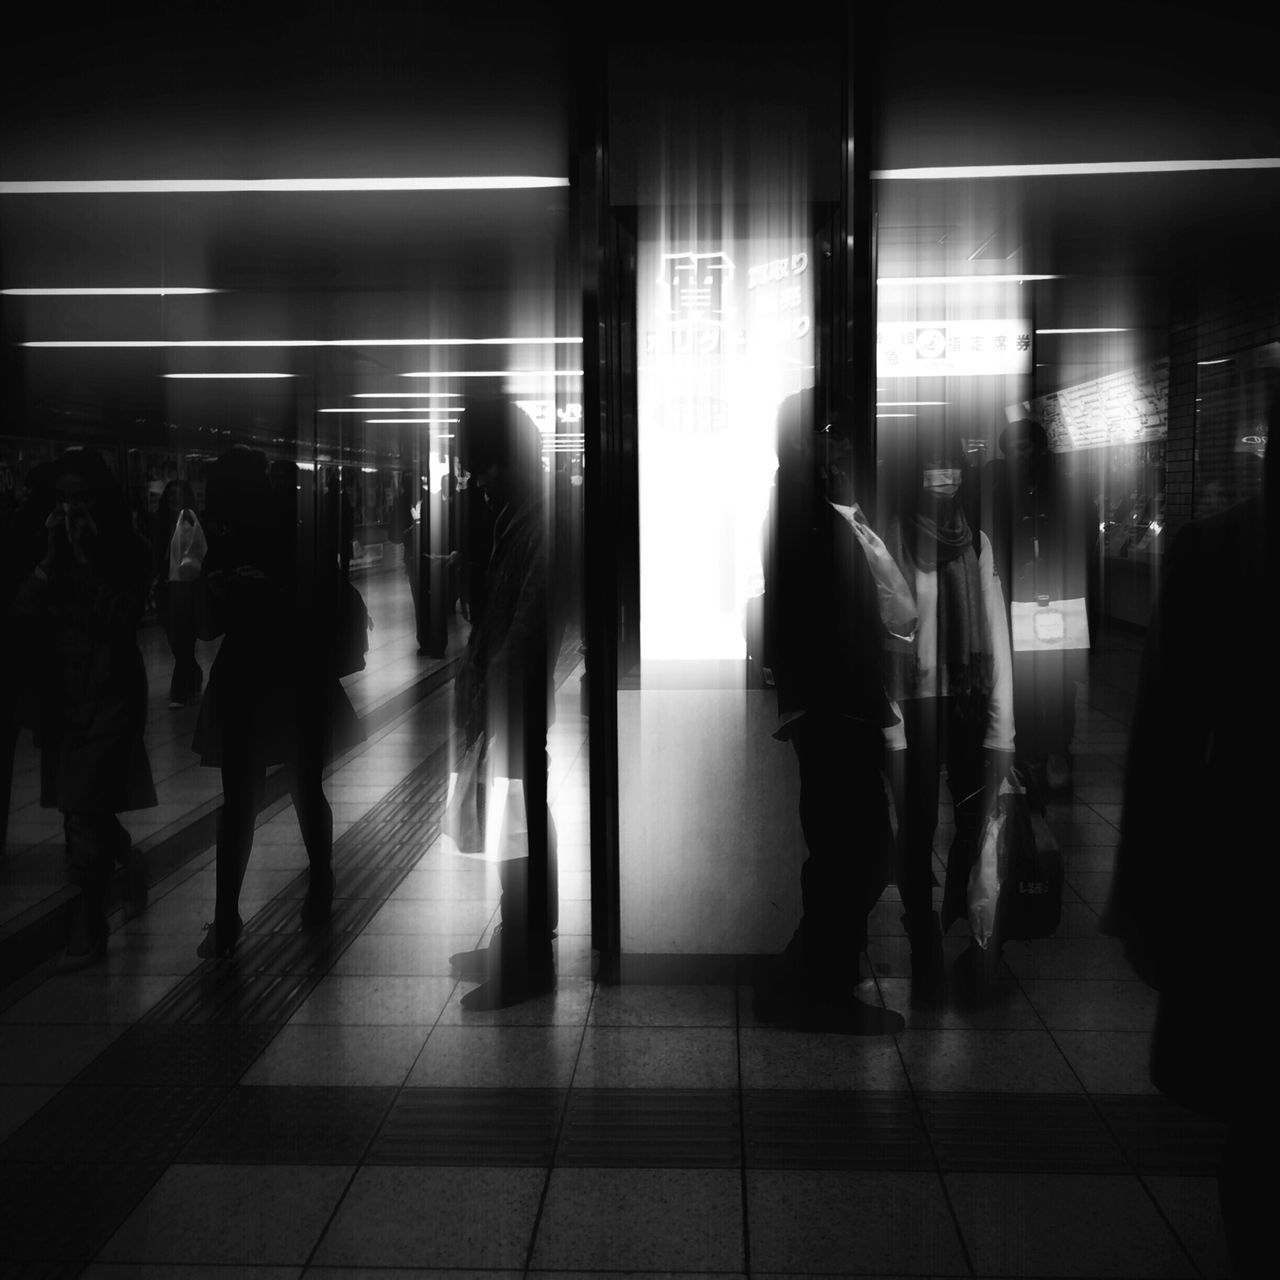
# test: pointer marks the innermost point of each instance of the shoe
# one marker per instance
(86, 946)
(175, 704)
(218, 946)
(471, 966)
(317, 906)
(507, 990)
(135, 884)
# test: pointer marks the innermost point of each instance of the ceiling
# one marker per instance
(396, 89)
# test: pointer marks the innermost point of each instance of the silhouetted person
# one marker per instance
(83, 601)
(824, 649)
(272, 574)
(427, 560)
(953, 683)
(504, 691)
(1044, 536)
(176, 596)
(1194, 888)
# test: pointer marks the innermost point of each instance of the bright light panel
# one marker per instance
(165, 186)
(159, 291)
(890, 281)
(309, 342)
(500, 373)
(227, 375)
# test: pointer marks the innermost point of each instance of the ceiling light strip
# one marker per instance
(167, 186)
(124, 343)
(228, 375)
(1016, 278)
(156, 291)
(1083, 168)
(499, 373)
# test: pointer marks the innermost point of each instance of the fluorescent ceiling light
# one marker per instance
(159, 291)
(312, 342)
(895, 415)
(1073, 169)
(414, 422)
(1082, 330)
(166, 186)
(501, 373)
(406, 395)
(907, 403)
(227, 375)
(392, 408)
(975, 279)
(1224, 360)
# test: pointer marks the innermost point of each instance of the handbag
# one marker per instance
(484, 816)
(898, 609)
(352, 632)
(1015, 887)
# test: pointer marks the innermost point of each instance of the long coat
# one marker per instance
(81, 626)
(1193, 893)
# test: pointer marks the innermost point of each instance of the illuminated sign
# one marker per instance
(952, 348)
(1130, 407)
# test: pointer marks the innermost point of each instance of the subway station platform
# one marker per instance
(325, 1107)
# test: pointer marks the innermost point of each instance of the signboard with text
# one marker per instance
(952, 348)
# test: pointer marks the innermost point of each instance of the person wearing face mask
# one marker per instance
(953, 684)
(81, 605)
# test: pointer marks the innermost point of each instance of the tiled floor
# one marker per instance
(326, 1108)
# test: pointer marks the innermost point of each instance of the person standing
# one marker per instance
(823, 649)
(1044, 539)
(175, 594)
(504, 690)
(82, 603)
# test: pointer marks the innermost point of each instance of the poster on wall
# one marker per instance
(724, 334)
(1130, 407)
(953, 348)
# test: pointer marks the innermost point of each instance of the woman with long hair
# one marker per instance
(273, 695)
(953, 684)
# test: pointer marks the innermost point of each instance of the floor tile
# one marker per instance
(877, 1223)
(1058, 959)
(658, 1057)
(51, 1053)
(231, 1214)
(1034, 1225)
(489, 1057)
(1012, 1011)
(1161, 1137)
(567, 1005)
(80, 999)
(432, 915)
(403, 954)
(986, 1061)
(19, 1102)
(338, 1055)
(375, 1001)
(444, 1217)
(1109, 1061)
(290, 1125)
(641, 1220)
(658, 1006)
(774, 1059)
(833, 1129)
(1192, 1209)
(1092, 1004)
(172, 1271)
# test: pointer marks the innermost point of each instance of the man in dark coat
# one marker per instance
(1194, 887)
(82, 604)
(823, 638)
(505, 690)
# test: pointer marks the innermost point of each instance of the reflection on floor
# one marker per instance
(328, 1109)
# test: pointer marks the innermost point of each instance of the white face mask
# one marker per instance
(943, 481)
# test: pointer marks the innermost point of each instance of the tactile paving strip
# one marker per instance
(833, 1129)
(652, 1128)
(1019, 1132)
(507, 1128)
(1161, 1137)
(273, 1124)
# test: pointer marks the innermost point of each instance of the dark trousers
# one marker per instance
(95, 843)
(244, 777)
(937, 733)
(844, 814)
(1044, 702)
(427, 586)
(180, 630)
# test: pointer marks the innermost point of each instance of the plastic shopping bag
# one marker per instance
(897, 603)
(484, 816)
(187, 547)
(984, 879)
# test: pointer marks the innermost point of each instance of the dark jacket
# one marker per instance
(823, 635)
(81, 624)
(1194, 884)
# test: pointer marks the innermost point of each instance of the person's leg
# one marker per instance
(315, 820)
(923, 724)
(243, 782)
(90, 840)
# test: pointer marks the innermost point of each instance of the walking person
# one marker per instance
(82, 604)
(272, 575)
